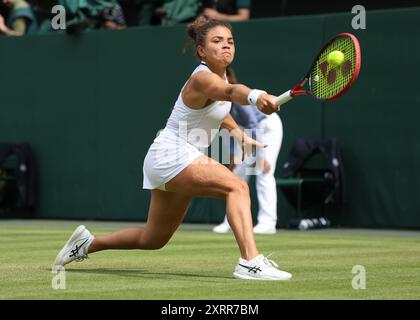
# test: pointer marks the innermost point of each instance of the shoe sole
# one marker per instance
(216, 230)
(270, 232)
(73, 237)
(222, 231)
(245, 277)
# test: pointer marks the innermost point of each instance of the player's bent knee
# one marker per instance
(237, 185)
(244, 187)
(241, 186)
(153, 243)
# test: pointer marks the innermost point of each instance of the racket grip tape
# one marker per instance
(282, 99)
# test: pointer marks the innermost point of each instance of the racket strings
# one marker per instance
(327, 81)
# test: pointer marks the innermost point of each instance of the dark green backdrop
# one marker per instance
(91, 105)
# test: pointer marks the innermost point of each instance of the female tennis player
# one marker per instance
(175, 170)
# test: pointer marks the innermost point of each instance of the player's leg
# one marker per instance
(266, 182)
(239, 169)
(166, 211)
(213, 179)
(206, 177)
(165, 214)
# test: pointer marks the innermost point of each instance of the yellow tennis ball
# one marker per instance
(335, 58)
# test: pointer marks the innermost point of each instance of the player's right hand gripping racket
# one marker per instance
(325, 81)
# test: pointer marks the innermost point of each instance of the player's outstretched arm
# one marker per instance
(212, 87)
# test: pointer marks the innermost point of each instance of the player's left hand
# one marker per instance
(248, 145)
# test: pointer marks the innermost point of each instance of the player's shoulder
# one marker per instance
(202, 77)
(201, 68)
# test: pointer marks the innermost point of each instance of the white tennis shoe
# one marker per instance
(264, 229)
(259, 268)
(76, 247)
(224, 227)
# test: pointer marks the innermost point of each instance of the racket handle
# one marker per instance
(282, 99)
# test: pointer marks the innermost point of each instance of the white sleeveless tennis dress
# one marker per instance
(187, 131)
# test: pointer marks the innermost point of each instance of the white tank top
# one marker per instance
(197, 126)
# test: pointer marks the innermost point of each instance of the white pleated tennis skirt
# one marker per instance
(167, 156)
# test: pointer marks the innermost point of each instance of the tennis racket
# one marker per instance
(325, 81)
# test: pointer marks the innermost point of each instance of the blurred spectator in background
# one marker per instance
(178, 11)
(147, 13)
(93, 14)
(228, 10)
(42, 10)
(20, 18)
(160, 12)
(113, 18)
